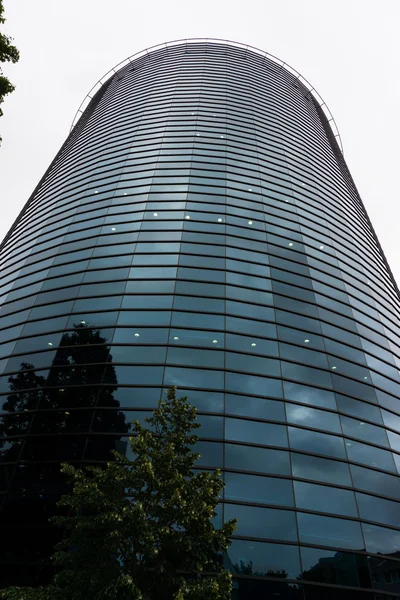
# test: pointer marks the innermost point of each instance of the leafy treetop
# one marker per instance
(8, 53)
(142, 529)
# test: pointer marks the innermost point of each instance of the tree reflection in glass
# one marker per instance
(48, 420)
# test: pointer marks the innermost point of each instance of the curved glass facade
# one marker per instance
(199, 227)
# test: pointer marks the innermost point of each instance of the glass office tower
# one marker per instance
(199, 227)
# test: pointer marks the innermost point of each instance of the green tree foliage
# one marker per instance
(142, 529)
(8, 52)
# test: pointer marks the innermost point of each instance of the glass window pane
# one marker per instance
(306, 374)
(327, 531)
(320, 469)
(358, 409)
(378, 509)
(371, 480)
(365, 431)
(211, 426)
(309, 395)
(145, 317)
(312, 417)
(187, 378)
(251, 488)
(241, 430)
(252, 364)
(261, 460)
(320, 443)
(140, 335)
(261, 408)
(385, 575)
(249, 327)
(258, 386)
(147, 302)
(199, 320)
(195, 357)
(323, 498)
(194, 337)
(210, 454)
(204, 401)
(258, 522)
(339, 568)
(244, 343)
(264, 559)
(381, 539)
(139, 354)
(139, 375)
(369, 455)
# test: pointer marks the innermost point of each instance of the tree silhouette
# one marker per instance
(246, 568)
(260, 589)
(48, 421)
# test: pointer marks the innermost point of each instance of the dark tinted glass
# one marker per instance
(262, 460)
(251, 488)
(263, 522)
(264, 559)
(320, 469)
(331, 566)
(266, 434)
(322, 498)
(339, 533)
(381, 539)
(371, 480)
(378, 509)
(320, 443)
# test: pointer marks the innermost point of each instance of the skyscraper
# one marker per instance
(199, 227)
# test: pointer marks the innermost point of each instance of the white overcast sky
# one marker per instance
(348, 49)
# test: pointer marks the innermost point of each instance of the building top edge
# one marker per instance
(282, 64)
